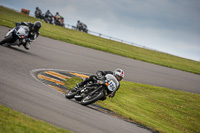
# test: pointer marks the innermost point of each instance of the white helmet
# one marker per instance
(119, 73)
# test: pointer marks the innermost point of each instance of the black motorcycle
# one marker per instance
(38, 14)
(49, 18)
(82, 27)
(94, 91)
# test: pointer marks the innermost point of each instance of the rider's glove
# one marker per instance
(112, 95)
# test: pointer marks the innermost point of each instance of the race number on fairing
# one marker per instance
(112, 85)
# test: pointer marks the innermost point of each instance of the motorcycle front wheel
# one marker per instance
(8, 39)
(92, 98)
(70, 94)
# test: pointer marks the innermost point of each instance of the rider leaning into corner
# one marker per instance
(118, 73)
(33, 32)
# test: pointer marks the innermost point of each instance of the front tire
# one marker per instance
(91, 99)
(6, 40)
(70, 94)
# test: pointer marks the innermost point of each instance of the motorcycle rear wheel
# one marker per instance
(91, 99)
(78, 98)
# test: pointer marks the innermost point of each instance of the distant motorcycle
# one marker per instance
(59, 21)
(16, 36)
(38, 14)
(93, 91)
(48, 18)
(82, 27)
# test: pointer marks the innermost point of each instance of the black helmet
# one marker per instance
(37, 8)
(37, 25)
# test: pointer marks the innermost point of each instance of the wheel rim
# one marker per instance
(90, 98)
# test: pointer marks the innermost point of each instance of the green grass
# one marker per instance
(14, 122)
(9, 18)
(159, 108)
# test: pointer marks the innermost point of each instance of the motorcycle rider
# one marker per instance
(58, 19)
(38, 13)
(48, 14)
(33, 32)
(79, 25)
(118, 73)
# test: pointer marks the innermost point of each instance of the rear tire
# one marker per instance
(78, 99)
(6, 40)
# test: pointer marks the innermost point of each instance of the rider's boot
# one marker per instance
(74, 89)
(26, 45)
(103, 98)
(81, 84)
(78, 86)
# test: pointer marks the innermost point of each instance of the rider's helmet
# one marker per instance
(36, 8)
(119, 74)
(57, 13)
(37, 25)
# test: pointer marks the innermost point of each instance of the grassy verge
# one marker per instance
(9, 18)
(14, 122)
(161, 109)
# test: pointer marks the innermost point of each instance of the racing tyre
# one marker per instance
(6, 40)
(92, 98)
(78, 98)
(70, 94)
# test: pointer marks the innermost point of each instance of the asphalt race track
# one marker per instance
(20, 91)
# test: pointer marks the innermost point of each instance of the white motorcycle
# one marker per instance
(16, 36)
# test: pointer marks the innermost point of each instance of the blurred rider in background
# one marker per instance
(59, 20)
(48, 17)
(38, 13)
(47, 13)
(33, 32)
